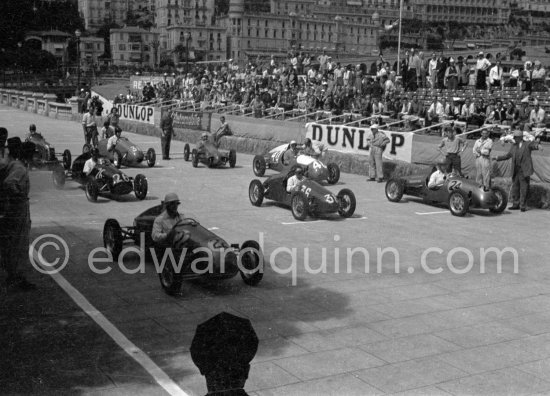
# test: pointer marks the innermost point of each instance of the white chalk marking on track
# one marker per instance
(431, 213)
(129, 347)
(319, 221)
(213, 228)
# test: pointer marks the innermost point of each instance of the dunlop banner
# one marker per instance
(129, 112)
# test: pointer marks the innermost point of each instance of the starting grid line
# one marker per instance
(116, 335)
(319, 221)
(431, 213)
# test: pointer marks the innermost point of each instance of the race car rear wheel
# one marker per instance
(502, 200)
(140, 187)
(299, 205)
(86, 148)
(459, 204)
(112, 238)
(186, 152)
(195, 158)
(346, 203)
(67, 159)
(58, 179)
(333, 173)
(117, 158)
(92, 190)
(170, 280)
(394, 190)
(251, 263)
(232, 158)
(256, 192)
(258, 165)
(151, 157)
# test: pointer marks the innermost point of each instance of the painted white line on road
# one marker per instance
(161, 168)
(319, 221)
(129, 347)
(213, 228)
(431, 213)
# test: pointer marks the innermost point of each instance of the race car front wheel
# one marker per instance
(346, 203)
(333, 173)
(170, 280)
(67, 159)
(195, 158)
(394, 190)
(58, 179)
(299, 205)
(256, 192)
(140, 187)
(259, 165)
(92, 190)
(251, 263)
(151, 157)
(459, 204)
(232, 158)
(112, 238)
(502, 200)
(186, 152)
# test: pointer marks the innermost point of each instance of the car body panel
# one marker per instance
(314, 168)
(208, 151)
(131, 153)
(44, 155)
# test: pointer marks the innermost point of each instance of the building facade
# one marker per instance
(486, 12)
(96, 13)
(132, 46)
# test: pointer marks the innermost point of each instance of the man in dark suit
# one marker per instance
(522, 169)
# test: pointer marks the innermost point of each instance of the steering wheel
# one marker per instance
(187, 221)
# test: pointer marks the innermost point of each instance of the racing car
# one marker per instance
(40, 154)
(108, 180)
(211, 156)
(458, 193)
(125, 153)
(206, 255)
(311, 199)
(314, 168)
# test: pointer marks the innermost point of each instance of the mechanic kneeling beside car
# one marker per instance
(164, 226)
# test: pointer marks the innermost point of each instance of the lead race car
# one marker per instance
(311, 199)
(125, 153)
(205, 254)
(41, 154)
(210, 155)
(107, 180)
(458, 193)
(314, 168)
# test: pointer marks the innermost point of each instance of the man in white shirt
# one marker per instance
(91, 164)
(164, 225)
(495, 76)
(482, 151)
(436, 111)
(432, 71)
(536, 118)
(482, 64)
(294, 182)
(113, 140)
(437, 179)
(89, 127)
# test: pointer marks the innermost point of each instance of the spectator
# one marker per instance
(482, 151)
(451, 147)
(377, 143)
(482, 65)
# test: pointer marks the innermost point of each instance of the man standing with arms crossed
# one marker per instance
(453, 148)
(89, 127)
(166, 124)
(482, 151)
(377, 142)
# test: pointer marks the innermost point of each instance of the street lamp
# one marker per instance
(4, 66)
(187, 37)
(19, 45)
(156, 45)
(77, 33)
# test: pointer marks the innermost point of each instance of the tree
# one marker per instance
(105, 33)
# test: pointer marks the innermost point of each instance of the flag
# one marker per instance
(392, 25)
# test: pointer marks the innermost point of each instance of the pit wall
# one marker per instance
(258, 136)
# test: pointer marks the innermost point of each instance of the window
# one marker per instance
(121, 56)
(122, 47)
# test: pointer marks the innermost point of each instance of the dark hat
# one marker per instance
(3, 137)
(14, 143)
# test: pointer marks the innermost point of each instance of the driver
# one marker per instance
(32, 131)
(202, 142)
(317, 150)
(165, 223)
(437, 179)
(291, 153)
(113, 140)
(107, 131)
(91, 164)
(294, 182)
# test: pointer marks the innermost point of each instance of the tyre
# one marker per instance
(195, 158)
(86, 148)
(58, 179)
(117, 158)
(170, 280)
(92, 190)
(211, 163)
(112, 238)
(186, 152)
(458, 203)
(258, 165)
(67, 159)
(256, 192)
(151, 157)
(346, 203)
(251, 263)
(333, 173)
(299, 206)
(232, 158)
(394, 190)
(502, 200)
(140, 187)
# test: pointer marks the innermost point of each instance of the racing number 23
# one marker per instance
(454, 185)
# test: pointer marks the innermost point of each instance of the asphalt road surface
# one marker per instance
(330, 320)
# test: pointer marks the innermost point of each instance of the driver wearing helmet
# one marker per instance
(32, 131)
(90, 166)
(291, 153)
(202, 142)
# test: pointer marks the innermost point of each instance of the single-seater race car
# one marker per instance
(205, 254)
(40, 154)
(210, 155)
(314, 168)
(125, 153)
(311, 199)
(458, 193)
(105, 180)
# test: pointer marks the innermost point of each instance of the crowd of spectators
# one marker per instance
(303, 85)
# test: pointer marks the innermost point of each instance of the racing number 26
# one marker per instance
(306, 190)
